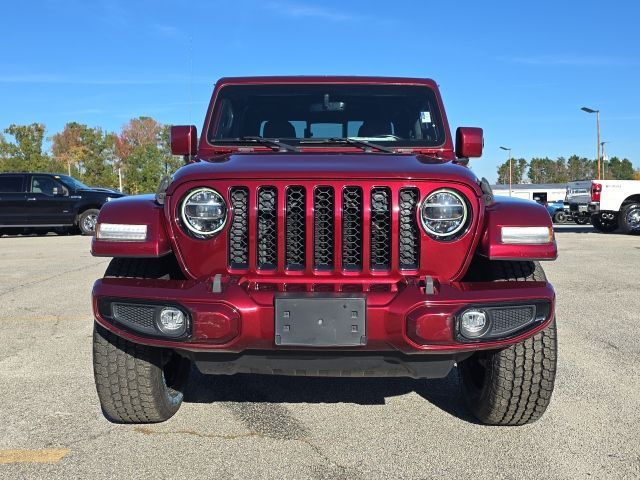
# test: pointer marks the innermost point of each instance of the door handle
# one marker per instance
(31, 199)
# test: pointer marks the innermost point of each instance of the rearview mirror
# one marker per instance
(469, 142)
(327, 106)
(184, 140)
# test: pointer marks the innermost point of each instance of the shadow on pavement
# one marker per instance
(442, 393)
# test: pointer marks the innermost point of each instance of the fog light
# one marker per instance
(473, 323)
(172, 321)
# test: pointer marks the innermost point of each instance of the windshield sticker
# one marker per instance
(425, 117)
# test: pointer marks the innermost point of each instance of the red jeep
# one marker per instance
(325, 226)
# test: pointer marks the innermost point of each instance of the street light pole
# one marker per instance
(604, 157)
(597, 112)
(510, 170)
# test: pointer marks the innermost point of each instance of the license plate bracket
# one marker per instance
(320, 320)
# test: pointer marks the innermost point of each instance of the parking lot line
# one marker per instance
(47, 455)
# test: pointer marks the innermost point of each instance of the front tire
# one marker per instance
(630, 218)
(605, 222)
(137, 383)
(512, 386)
(87, 221)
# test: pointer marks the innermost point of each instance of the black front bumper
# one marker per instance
(326, 364)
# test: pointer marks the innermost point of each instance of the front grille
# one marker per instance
(296, 228)
(339, 227)
(409, 239)
(267, 228)
(323, 228)
(352, 228)
(380, 228)
(239, 230)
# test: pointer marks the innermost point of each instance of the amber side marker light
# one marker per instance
(117, 232)
(526, 235)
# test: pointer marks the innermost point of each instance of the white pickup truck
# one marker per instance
(615, 204)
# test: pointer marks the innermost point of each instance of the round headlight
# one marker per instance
(444, 213)
(203, 212)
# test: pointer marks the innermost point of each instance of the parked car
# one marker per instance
(557, 211)
(325, 226)
(578, 197)
(615, 204)
(45, 201)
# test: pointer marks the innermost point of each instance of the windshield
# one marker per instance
(72, 182)
(392, 115)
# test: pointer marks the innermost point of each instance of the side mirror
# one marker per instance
(469, 142)
(60, 192)
(184, 140)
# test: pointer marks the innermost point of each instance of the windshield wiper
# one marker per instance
(271, 142)
(358, 143)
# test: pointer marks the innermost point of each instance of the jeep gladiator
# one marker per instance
(325, 226)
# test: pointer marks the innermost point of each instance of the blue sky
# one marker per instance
(520, 70)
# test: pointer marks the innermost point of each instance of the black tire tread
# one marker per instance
(520, 378)
(521, 381)
(485, 270)
(128, 379)
(164, 268)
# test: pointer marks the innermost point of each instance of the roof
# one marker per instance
(327, 79)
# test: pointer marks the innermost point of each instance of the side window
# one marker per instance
(45, 185)
(11, 184)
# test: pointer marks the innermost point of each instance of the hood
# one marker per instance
(106, 191)
(327, 165)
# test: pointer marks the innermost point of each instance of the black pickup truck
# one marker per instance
(46, 201)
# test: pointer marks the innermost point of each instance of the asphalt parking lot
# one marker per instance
(270, 427)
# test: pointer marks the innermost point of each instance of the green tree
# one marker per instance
(144, 154)
(579, 168)
(87, 152)
(518, 169)
(619, 169)
(25, 153)
(543, 170)
(143, 169)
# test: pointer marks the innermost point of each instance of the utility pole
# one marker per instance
(510, 170)
(597, 112)
(604, 158)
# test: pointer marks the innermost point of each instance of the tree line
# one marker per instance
(563, 170)
(132, 160)
(135, 159)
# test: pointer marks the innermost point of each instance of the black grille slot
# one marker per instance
(380, 228)
(409, 241)
(352, 228)
(267, 228)
(239, 230)
(296, 231)
(504, 320)
(140, 315)
(323, 228)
